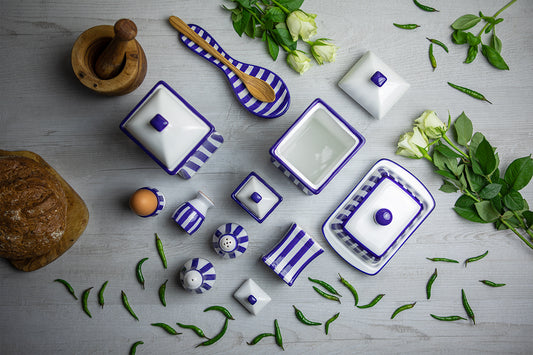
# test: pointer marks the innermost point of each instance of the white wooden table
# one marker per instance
(43, 108)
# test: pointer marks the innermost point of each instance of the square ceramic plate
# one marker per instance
(349, 249)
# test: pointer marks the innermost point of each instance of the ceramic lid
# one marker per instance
(382, 216)
(166, 127)
(251, 296)
(256, 197)
(373, 84)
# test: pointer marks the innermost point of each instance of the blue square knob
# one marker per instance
(159, 122)
(378, 78)
(256, 197)
(252, 300)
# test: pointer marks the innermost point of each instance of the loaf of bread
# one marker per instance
(33, 208)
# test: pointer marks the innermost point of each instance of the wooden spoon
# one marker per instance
(259, 89)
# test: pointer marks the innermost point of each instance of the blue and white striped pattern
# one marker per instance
(262, 109)
(188, 218)
(291, 177)
(160, 201)
(292, 254)
(239, 238)
(205, 268)
(201, 155)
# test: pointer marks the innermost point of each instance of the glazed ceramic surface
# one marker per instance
(230, 240)
(251, 296)
(262, 109)
(374, 85)
(292, 254)
(256, 197)
(160, 201)
(197, 275)
(378, 216)
(191, 214)
(314, 149)
(171, 131)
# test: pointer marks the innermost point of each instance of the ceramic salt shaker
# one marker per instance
(197, 275)
(147, 202)
(191, 214)
(230, 240)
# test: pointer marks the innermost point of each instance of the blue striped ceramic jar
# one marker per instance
(191, 214)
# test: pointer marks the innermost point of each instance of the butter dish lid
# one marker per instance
(167, 127)
(257, 197)
(374, 85)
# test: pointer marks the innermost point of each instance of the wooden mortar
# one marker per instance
(108, 59)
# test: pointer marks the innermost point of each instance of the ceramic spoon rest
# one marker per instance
(262, 109)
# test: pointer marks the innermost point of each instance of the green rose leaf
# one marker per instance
(476, 182)
(474, 143)
(284, 37)
(469, 213)
(447, 151)
(244, 3)
(490, 191)
(446, 174)
(486, 211)
(513, 201)
(519, 173)
(497, 203)
(528, 216)
(465, 201)
(494, 57)
(275, 14)
(496, 43)
(486, 158)
(273, 48)
(465, 22)
(459, 37)
(463, 129)
(448, 187)
(291, 5)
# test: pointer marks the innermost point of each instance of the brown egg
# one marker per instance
(143, 202)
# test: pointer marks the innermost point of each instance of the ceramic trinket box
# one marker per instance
(252, 297)
(316, 147)
(292, 254)
(374, 85)
(197, 275)
(147, 202)
(191, 214)
(171, 131)
(378, 216)
(256, 197)
(230, 240)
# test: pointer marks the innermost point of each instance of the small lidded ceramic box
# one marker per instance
(171, 131)
(316, 147)
(256, 197)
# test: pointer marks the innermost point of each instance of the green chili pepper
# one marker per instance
(409, 26)
(101, 294)
(69, 288)
(476, 258)
(432, 59)
(329, 321)
(402, 308)
(126, 304)
(430, 283)
(351, 288)
(474, 94)
(216, 337)
(162, 290)
(325, 285)
(491, 284)
(302, 318)
(373, 302)
(258, 338)
(446, 260)
(84, 298)
(160, 250)
(166, 327)
(139, 271)
(326, 295)
(447, 318)
(438, 43)
(194, 328)
(425, 7)
(277, 334)
(467, 307)
(221, 309)
(133, 349)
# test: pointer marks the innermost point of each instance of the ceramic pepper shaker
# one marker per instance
(191, 214)
(197, 275)
(230, 240)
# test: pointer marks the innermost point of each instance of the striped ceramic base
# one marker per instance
(230, 240)
(202, 154)
(256, 107)
(188, 218)
(291, 177)
(205, 268)
(292, 254)
(160, 201)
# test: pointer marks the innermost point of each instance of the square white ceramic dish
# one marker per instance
(252, 297)
(314, 149)
(374, 85)
(364, 244)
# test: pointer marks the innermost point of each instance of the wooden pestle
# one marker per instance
(110, 62)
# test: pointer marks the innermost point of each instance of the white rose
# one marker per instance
(301, 24)
(430, 124)
(299, 61)
(409, 143)
(323, 51)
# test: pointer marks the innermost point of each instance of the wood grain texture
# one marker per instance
(45, 109)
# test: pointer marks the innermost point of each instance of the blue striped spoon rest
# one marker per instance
(262, 109)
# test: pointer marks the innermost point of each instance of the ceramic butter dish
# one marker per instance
(252, 297)
(316, 147)
(374, 85)
(292, 254)
(171, 131)
(378, 216)
(256, 197)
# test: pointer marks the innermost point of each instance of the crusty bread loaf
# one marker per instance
(33, 208)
